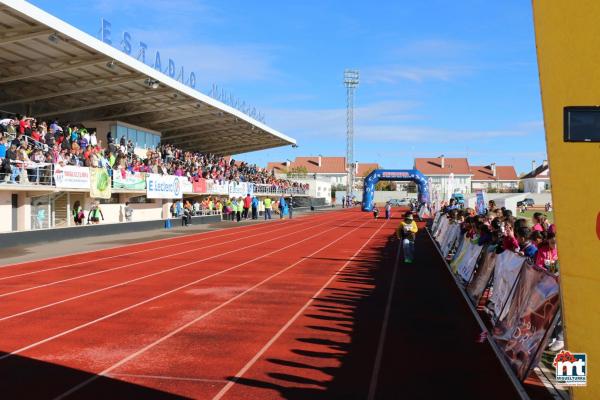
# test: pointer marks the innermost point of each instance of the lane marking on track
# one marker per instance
(167, 378)
(31, 310)
(120, 311)
(135, 263)
(202, 316)
(384, 327)
(236, 228)
(281, 331)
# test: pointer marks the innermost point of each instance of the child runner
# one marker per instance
(375, 212)
(388, 210)
(407, 232)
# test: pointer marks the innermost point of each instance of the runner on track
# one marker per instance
(407, 232)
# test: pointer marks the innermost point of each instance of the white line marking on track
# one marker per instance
(383, 333)
(152, 274)
(168, 378)
(131, 264)
(204, 315)
(236, 228)
(266, 347)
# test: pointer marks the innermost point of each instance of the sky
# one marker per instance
(436, 77)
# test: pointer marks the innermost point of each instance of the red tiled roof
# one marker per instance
(433, 166)
(503, 173)
(536, 172)
(329, 165)
(363, 169)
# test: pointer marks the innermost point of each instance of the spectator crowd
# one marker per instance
(29, 147)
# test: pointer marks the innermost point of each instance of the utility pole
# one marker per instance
(351, 82)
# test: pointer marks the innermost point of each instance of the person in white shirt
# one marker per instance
(93, 141)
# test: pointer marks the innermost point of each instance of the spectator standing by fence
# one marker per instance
(254, 207)
(268, 204)
(128, 211)
(95, 214)
(247, 205)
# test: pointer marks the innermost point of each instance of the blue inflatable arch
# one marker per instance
(393, 175)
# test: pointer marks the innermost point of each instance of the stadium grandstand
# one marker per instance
(76, 113)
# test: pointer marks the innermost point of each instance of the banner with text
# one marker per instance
(164, 186)
(508, 265)
(68, 176)
(240, 189)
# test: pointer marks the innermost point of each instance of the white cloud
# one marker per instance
(392, 74)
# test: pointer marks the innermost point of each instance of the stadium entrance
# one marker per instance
(394, 175)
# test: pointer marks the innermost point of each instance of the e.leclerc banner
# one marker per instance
(164, 186)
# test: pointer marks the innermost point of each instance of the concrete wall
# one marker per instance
(51, 235)
(5, 211)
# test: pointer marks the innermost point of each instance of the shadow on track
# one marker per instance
(27, 378)
(430, 349)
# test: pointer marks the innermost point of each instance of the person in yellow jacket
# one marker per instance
(407, 232)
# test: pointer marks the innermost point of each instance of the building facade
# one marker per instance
(538, 180)
(500, 178)
(330, 169)
(447, 175)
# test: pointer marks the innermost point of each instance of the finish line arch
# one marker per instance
(393, 175)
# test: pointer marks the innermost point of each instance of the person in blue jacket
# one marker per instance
(254, 207)
(283, 209)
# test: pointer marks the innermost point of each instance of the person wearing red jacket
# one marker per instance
(247, 204)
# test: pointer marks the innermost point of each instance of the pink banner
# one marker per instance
(199, 186)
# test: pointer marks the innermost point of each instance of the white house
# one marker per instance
(502, 178)
(448, 175)
(538, 180)
(332, 169)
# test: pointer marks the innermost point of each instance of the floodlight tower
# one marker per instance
(351, 82)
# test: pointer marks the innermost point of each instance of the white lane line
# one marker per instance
(122, 310)
(168, 378)
(384, 328)
(119, 255)
(102, 271)
(31, 310)
(202, 316)
(266, 347)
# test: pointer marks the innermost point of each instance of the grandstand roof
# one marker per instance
(49, 69)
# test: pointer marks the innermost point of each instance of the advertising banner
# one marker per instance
(450, 237)
(128, 180)
(164, 186)
(72, 177)
(480, 206)
(213, 187)
(482, 276)
(460, 252)
(200, 186)
(100, 185)
(186, 185)
(240, 189)
(506, 272)
(467, 264)
(527, 319)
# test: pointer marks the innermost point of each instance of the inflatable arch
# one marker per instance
(393, 175)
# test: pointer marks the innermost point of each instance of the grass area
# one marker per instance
(529, 214)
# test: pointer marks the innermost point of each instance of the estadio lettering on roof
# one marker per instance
(126, 47)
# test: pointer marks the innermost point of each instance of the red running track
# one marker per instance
(289, 309)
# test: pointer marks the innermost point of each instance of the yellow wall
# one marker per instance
(568, 46)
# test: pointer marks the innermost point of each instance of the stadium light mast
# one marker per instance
(351, 82)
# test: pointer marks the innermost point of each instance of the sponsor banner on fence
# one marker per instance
(72, 177)
(200, 186)
(164, 186)
(240, 189)
(186, 185)
(507, 269)
(128, 180)
(467, 264)
(100, 187)
(480, 206)
(482, 275)
(529, 316)
(213, 187)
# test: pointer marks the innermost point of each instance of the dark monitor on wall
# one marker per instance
(582, 124)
